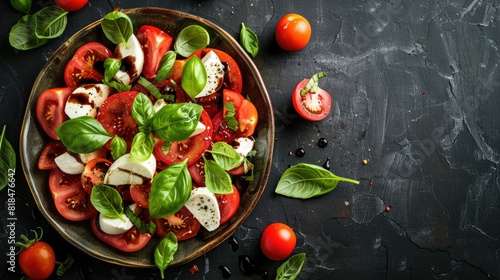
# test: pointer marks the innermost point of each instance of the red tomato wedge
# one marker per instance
(131, 241)
(183, 224)
(140, 194)
(70, 199)
(86, 65)
(52, 150)
(155, 43)
(94, 173)
(221, 131)
(50, 109)
(246, 113)
(228, 204)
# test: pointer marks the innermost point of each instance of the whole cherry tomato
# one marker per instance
(37, 259)
(293, 32)
(71, 5)
(278, 241)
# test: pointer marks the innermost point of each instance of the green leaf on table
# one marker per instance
(50, 22)
(22, 35)
(291, 268)
(249, 40)
(23, 6)
(7, 160)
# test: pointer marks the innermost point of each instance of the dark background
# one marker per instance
(415, 92)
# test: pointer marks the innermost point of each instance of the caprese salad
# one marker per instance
(147, 138)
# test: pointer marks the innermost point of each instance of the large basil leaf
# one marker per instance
(22, 35)
(82, 135)
(176, 122)
(142, 110)
(190, 39)
(117, 27)
(108, 201)
(305, 180)
(217, 180)
(23, 6)
(165, 251)
(249, 40)
(290, 269)
(225, 155)
(50, 22)
(7, 160)
(142, 146)
(170, 190)
(166, 66)
(194, 76)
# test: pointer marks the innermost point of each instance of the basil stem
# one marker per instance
(22, 35)
(291, 268)
(230, 118)
(50, 22)
(217, 180)
(165, 251)
(170, 190)
(142, 146)
(225, 155)
(194, 76)
(107, 201)
(190, 39)
(7, 161)
(176, 122)
(312, 85)
(153, 89)
(166, 66)
(249, 40)
(83, 134)
(23, 6)
(118, 27)
(118, 147)
(305, 180)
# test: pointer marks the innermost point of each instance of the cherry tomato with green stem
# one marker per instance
(37, 258)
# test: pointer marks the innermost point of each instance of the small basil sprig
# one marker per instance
(7, 161)
(190, 39)
(23, 6)
(165, 251)
(166, 66)
(305, 180)
(291, 268)
(83, 134)
(230, 118)
(118, 27)
(107, 201)
(194, 76)
(249, 40)
(217, 180)
(154, 90)
(136, 221)
(312, 85)
(170, 190)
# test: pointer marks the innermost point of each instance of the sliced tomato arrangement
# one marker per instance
(50, 110)
(155, 43)
(86, 65)
(183, 224)
(115, 115)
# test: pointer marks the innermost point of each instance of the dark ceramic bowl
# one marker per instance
(33, 139)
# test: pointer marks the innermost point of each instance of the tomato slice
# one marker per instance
(311, 106)
(221, 131)
(70, 199)
(52, 150)
(239, 170)
(140, 194)
(232, 76)
(197, 172)
(131, 241)
(115, 115)
(183, 224)
(228, 204)
(50, 109)
(246, 113)
(86, 65)
(212, 103)
(94, 173)
(191, 148)
(155, 43)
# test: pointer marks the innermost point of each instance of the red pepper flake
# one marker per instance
(423, 92)
(193, 269)
(388, 208)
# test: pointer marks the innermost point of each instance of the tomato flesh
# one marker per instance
(37, 261)
(53, 149)
(228, 204)
(155, 43)
(222, 133)
(140, 194)
(131, 241)
(86, 64)
(311, 106)
(50, 110)
(293, 32)
(94, 173)
(277, 241)
(183, 224)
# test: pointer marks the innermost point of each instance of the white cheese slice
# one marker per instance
(215, 74)
(127, 170)
(132, 57)
(69, 163)
(204, 206)
(85, 100)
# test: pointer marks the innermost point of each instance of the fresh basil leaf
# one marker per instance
(305, 180)
(7, 161)
(142, 146)
(22, 35)
(217, 180)
(166, 66)
(176, 122)
(111, 67)
(225, 155)
(23, 6)
(118, 27)
(118, 147)
(170, 190)
(83, 134)
(108, 201)
(142, 110)
(50, 22)
(312, 85)
(194, 76)
(291, 268)
(137, 222)
(117, 85)
(165, 251)
(249, 40)
(190, 39)
(230, 118)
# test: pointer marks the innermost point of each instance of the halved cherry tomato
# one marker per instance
(221, 131)
(70, 199)
(36, 259)
(183, 224)
(278, 241)
(232, 75)
(191, 148)
(115, 115)
(228, 204)
(131, 241)
(197, 172)
(231, 96)
(311, 106)
(86, 64)
(52, 150)
(246, 113)
(71, 5)
(155, 43)
(50, 109)
(140, 194)
(293, 32)
(94, 173)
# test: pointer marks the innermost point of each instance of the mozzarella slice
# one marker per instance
(215, 74)
(200, 127)
(127, 170)
(243, 145)
(85, 100)
(160, 103)
(132, 58)
(116, 226)
(69, 163)
(203, 205)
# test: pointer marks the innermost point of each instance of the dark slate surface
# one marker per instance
(415, 88)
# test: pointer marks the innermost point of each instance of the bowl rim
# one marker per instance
(228, 231)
